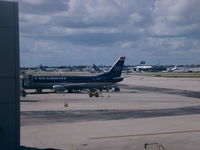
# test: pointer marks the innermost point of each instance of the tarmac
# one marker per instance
(148, 113)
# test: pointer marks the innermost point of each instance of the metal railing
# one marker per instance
(158, 146)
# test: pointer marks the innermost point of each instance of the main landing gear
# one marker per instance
(38, 91)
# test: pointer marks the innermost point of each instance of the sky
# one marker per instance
(84, 32)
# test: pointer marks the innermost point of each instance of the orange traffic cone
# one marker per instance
(66, 104)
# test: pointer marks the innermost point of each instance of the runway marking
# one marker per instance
(146, 134)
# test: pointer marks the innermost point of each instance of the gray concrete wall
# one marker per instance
(9, 76)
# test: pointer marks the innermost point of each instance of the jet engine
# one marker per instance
(58, 88)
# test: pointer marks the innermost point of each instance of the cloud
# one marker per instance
(127, 44)
(175, 18)
(135, 18)
(86, 31)
(43, 7)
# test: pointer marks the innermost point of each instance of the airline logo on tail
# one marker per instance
(116, 69)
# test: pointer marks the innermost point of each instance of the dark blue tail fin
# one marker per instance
(96, 68)
(42, 68)
(116, 69)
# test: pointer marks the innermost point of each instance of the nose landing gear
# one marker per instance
(23, 93)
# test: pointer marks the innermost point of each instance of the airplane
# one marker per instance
(70, 83)
(96, 68)
(100, 69)
(172, 69)
(93, 69)
(44, 68)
